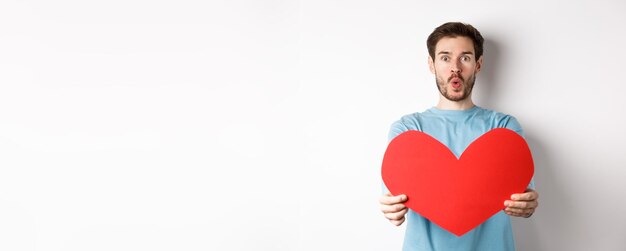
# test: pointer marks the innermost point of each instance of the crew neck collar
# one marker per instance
(454, 112)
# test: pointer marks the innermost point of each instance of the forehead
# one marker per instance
(454, 45)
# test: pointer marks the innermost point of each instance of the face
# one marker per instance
(455, 67)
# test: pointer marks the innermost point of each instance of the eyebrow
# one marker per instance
(447, 53)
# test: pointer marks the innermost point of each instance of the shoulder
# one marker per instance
(405, 123)
(503, 120)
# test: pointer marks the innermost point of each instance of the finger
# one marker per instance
(396, 216)
(397, 222)
(524, 204)
(518, 210)
(525, 215)
(530, 195)
(515, 214)
(392, 208)
(521, 204)
(388, 199)
(515, 209)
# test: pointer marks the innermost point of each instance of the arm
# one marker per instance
(521, 204)
(390, 205)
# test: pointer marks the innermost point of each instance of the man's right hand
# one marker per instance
(393, 208)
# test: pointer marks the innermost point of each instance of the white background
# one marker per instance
(260, 125)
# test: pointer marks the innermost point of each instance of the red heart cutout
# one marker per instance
(457, 194)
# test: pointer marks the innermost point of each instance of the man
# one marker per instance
(455, 57)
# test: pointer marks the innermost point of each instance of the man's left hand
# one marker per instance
(522, 204)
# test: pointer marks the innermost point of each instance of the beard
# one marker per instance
(466, 87)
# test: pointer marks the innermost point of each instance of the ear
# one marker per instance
(431, 65)
(479, 64)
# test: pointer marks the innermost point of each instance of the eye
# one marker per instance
(445, 58)
(466, 58)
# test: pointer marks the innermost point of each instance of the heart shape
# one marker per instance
(457, 194)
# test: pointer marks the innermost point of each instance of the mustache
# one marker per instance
(456, 76)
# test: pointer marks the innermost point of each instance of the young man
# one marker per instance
(456, 51)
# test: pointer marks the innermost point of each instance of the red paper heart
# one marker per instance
(457, 194)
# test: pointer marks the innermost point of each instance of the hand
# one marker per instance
(522, 204)
(393, 208)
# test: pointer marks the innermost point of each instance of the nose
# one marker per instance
(456, 67)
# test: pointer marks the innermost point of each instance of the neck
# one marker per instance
(445, 104)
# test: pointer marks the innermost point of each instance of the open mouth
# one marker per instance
(456, 83)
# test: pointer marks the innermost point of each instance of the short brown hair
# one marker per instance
(455, 29)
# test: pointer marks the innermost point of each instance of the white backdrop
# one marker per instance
(260, 125)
